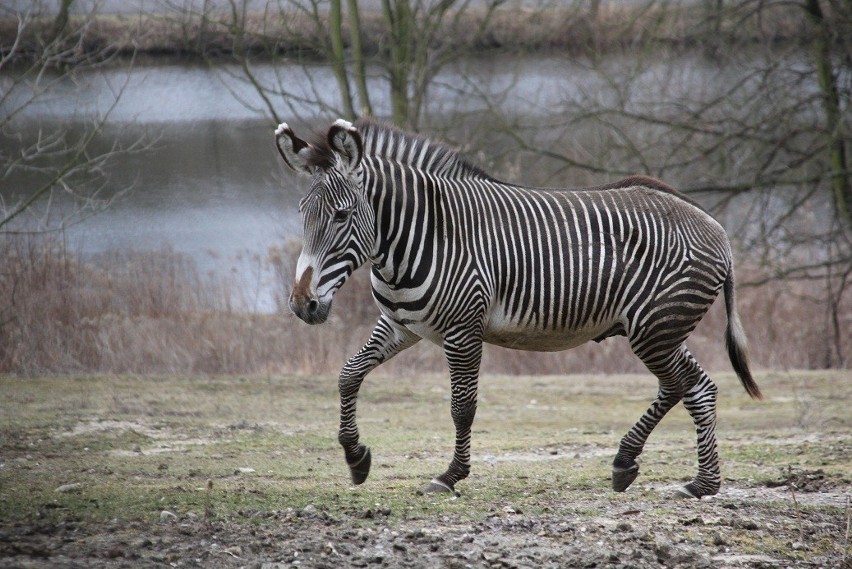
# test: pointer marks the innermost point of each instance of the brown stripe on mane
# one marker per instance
(650, 183)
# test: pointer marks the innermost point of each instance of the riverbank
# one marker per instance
(301, 34)
(155, 313)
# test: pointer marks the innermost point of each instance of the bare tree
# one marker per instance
(826, 35)
(761, 133)
(60, 156)
(407, 43)
(57, 173)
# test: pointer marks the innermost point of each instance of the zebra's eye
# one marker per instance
(342, 215)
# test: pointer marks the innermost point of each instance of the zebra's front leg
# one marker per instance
(386, 341)
(464, 354)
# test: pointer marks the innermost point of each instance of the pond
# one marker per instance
(210, 184)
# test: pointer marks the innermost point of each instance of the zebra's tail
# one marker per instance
(735, 340)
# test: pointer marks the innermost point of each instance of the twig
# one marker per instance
(231, 553)
(208, 510)
(796, 506)
(846, 539)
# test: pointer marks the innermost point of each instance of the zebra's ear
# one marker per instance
(293, 149)
(346, 141)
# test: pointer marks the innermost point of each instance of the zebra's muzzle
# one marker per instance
(310, 310)
(304, 302)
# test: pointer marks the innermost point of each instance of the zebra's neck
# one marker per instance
(407, 218)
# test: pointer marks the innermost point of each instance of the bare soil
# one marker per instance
(715, 533)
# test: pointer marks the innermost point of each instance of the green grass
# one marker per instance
(139, 445)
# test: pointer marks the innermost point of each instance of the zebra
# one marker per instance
(460, 258)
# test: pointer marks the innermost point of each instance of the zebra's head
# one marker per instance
(335, 216)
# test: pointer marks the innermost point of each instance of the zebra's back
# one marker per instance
(564, 267)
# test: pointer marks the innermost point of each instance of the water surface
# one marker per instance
(211, 184)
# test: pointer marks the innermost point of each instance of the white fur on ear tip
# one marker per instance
(281, 128)
(344, 124)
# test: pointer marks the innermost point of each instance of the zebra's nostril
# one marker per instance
(313, 305)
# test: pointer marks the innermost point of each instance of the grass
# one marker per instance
(140, 445)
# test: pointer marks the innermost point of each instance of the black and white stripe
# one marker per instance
(460, 258)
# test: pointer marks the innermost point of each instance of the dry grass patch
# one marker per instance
(155, 313)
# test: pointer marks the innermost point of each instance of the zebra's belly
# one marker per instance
(521, 337)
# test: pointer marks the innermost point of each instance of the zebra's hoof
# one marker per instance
(437, 487)
(684, 493)
(360, 467)
(694, 491)
(622, 478)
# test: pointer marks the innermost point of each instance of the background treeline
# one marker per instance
(758, 130)
(309, 28)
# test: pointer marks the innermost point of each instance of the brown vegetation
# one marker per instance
(155, 313)
(570, 29)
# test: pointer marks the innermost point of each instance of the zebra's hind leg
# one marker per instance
(625, 469)
(700, 401)
(670, 369)
(680, 377)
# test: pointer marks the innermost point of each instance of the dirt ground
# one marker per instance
(234, 472)
(711, 535)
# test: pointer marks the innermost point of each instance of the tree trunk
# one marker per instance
(338, 61)
(840, 177)
(398, 18)
(358, 59)
(594, 10)
(712, 36)
(61, 21)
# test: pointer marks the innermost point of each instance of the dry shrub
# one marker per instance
(121, 313)
(786, 322)
(568, 28)
(153, 313)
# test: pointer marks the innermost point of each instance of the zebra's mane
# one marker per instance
(388, 142)
(384, 141)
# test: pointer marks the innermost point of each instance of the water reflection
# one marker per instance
(185, 93)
